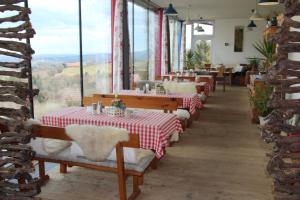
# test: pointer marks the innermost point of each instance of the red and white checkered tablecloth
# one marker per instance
(154, 128)
(190, 101)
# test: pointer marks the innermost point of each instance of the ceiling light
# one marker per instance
(170, 11)
(268, 2)
(252, 24)
(199, 28)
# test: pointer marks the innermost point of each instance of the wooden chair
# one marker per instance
(188, 78)
(221, 76)
(165, 77)
(159, 103)
(207, 67)
(120, 170)
(229, 75)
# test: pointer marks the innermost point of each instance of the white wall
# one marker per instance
(224, 33)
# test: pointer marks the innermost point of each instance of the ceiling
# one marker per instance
(218, 9)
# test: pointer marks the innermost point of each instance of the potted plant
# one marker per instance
(267, 49)
(202, 54)
(254, 63)
(260, 101)
(189, 59)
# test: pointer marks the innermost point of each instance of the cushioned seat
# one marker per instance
(202, 96)
(182, 114)
(73, 154)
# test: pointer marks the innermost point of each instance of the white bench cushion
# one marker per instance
(74, 152)
(182, 114)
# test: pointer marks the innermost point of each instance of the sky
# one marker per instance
(56, 23)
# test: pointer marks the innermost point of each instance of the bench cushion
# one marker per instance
(182, 114)
(144, 157)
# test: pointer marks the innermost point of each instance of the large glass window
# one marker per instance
(55, 66)
(143, 35)
(96, 33)
(175, 28)
(140, 28)
(208, 28)
(188, 43)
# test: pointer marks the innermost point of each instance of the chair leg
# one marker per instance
(136, 189)
(224, 83)
(63, 168)
(42, 173)
(153, 164)
(122, 187)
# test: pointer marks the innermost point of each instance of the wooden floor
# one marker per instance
(220, 158)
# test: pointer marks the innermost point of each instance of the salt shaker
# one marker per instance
(100, 107)
(94, 106)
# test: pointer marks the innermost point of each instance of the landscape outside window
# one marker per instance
(143, 33)
(96, 32)
(56, 64)
(140, 29)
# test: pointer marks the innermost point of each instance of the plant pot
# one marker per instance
(262, 120)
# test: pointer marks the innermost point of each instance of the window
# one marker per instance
(188, 37)
(55, 66)
(208, 28)
(143, 34)
(96, 39)
(140, 30)
(202, 53)
(175, 28)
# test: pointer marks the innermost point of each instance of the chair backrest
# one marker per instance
(165, 77)
(221, 71)
(59, 133)
(229, 70)
(131, 101)
(207, 67)
(142, 83)
(188, 78)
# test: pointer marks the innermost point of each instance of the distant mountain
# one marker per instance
(69, 58)
(100, 58)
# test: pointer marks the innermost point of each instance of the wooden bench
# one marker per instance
(182, 78)
(119, 169)
(159, 103)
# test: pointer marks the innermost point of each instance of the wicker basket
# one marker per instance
(114, 111)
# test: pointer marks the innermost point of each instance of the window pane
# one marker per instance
(188, 37)
(96, 33)
(140, 43)
(55, 65)
(175, 31)
(208, 29)
(202, 52)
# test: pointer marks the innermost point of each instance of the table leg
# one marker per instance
(215, 83)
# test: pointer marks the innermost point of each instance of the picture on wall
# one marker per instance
(238, 39)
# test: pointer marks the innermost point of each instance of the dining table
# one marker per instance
(190, 101)
(154, 128)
